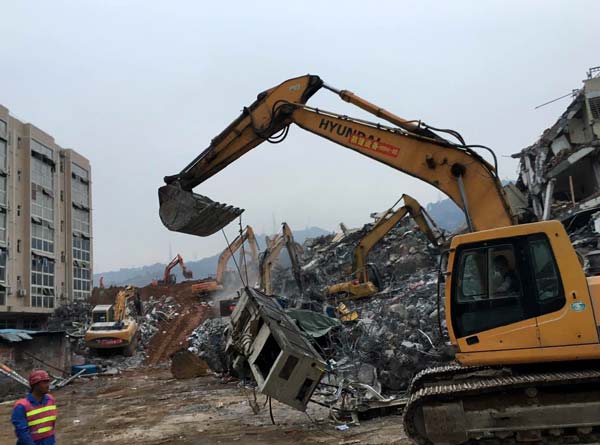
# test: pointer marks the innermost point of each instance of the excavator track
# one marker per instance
(545, 408)
(452, 372)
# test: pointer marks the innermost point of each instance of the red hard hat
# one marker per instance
(38, 376)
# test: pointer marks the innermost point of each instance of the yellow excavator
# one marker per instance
(521, 314)
(112, 327)
(368, 279)
(248, 236)
(271, 255)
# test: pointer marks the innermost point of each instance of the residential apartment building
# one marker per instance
(45, 225)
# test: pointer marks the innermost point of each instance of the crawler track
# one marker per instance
(551, 407)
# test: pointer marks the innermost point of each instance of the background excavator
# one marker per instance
(271, 255)
(112, 327)
(521, 314)
(368, 279)
(247, 235)
(168, 277)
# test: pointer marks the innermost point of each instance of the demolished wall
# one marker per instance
(561, 171)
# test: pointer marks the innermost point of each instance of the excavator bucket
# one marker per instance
(187, 212)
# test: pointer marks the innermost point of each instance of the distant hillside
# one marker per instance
(446, 214)
(142, 276)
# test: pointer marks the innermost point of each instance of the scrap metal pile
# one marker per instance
(399, 330)
(292, 345)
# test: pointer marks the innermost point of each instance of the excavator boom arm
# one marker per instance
(271, 254)
(456, 170)
(386, 223)
(246, 235)
(381, 228)
(174, 262)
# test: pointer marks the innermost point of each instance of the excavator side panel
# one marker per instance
(531, 305)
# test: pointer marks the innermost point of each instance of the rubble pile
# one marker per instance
(398, 335)
(208, 342)
(155, 311)
(398, 330)
(70, 317)
(328, 260)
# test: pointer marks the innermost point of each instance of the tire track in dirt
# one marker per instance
(172, 334)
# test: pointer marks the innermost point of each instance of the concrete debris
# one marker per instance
(208, 342)
(560, 172)
(397, 332)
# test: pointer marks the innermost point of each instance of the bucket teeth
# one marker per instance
(187, 212)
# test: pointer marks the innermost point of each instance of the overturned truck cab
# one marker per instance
(262, 340)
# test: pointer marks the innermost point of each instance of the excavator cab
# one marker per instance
(518, 289)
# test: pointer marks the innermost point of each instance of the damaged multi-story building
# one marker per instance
(45, 225)
(560, 172)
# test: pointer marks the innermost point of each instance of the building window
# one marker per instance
(42, 149)
(79, 171)
(3, 153)
(81, 221)
(3, 265)
(80, 193)
(2, 224)
(3, 169)
(42, 173)
(2, 296)
(42, 204)
(32, 324)
(82, 276)
(3, 129)
(42, 237)
(81, 249)
(3, 191)
(42, 282)
(8, 324)
(82, 283)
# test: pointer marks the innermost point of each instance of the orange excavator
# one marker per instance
(368, 280)
(168, 277)
(522, 317)
(248, 236)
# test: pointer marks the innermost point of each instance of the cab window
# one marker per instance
(548, 287)
(501, 282)
(488, 292)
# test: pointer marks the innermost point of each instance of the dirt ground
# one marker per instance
(172, 334)
(147, 406)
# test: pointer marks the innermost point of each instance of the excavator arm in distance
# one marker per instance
(368, 281)
(248, 236)
(271, 254)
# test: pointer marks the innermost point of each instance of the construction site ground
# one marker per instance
(147, 406)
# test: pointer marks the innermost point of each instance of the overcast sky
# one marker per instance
(141, 87)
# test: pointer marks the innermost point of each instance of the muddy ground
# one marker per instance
(147, 406)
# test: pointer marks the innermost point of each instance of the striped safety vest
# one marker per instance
(40, 418)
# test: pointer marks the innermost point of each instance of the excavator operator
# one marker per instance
(506, 280)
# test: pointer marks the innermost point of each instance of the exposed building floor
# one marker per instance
(147, 406)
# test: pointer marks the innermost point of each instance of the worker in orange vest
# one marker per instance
(35, 415)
